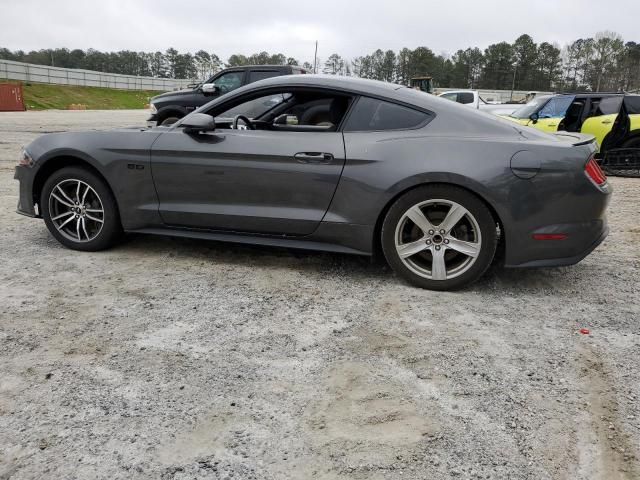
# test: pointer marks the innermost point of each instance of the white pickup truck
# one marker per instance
(472, 99)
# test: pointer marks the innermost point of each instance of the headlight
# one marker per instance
(153, 108)
(25, 158)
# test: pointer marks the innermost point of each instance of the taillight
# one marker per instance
(595, 173)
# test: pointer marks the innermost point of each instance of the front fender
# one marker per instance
(121, 157)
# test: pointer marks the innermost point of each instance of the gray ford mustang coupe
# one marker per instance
(329, 163)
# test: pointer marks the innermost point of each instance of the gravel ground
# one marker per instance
(180, 359)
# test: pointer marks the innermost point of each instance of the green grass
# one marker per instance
(43, 97)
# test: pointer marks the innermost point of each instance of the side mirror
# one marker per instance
(198, 122)
(210, 88)
(534, 118)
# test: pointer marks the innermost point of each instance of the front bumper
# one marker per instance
(152, 121)
(26, 204)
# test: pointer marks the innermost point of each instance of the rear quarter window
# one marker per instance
(370, 114)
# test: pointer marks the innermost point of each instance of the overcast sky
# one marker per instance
(347, 27)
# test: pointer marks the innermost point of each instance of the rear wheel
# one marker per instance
(439, 237)
(80, 210)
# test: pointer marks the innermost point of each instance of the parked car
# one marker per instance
(613, 118)
(170, 107)
(472, 98)
(330, 163)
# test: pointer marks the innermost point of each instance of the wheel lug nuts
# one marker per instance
(446, 241)
(442, 231)
(428, 242)
(431, 232)
(437, 247)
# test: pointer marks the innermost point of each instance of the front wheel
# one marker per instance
(169, 121)
(439, 237)
(80, 210)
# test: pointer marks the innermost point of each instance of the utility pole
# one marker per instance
(513, 83)
(315, 59)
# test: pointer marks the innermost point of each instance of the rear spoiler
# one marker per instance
(576, 139)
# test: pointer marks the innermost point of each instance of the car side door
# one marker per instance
(604, 118)
(251, 181)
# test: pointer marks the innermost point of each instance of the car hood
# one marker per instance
(177, 93)
(94, 144)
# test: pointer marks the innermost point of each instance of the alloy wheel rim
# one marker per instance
(76, 210)
(438, 239)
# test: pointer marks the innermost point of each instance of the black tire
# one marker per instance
(480, 218)
(169, 121)
(110, 230)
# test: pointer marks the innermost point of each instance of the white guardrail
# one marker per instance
(29, 72)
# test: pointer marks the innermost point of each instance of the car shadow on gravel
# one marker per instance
(359, 267)
(238, 254)
(356, 267)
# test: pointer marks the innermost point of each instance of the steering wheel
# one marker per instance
(245, 120)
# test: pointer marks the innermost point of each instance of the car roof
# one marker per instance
(592, 94)
(332, 81)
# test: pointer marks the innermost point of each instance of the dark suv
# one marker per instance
(171, 106)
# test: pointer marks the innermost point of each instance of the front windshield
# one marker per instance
(532, 107)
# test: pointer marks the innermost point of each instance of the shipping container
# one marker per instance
(11, 99)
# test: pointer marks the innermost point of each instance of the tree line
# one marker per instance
(604, 62)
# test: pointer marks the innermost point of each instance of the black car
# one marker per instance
(169, 107)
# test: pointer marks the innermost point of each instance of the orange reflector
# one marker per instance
(549, 236)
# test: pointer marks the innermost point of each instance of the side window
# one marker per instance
(371, 114)
(229, 81)
(608, 105)
(256, 107)
(255, 75)
(315, 110)
(465, 97)
(632, 104)
(556, 107)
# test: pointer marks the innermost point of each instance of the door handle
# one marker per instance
(553, 124)
(607, 122)
(313, 157)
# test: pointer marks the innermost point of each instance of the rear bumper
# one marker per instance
(575, 252)
(26, 205)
